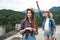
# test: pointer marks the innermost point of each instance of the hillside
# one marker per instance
(56, 14)
(9, 18)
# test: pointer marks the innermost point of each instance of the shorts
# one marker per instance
(48, 34)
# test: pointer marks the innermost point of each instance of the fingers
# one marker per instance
(36, 1)
(34, 29)
(37, 5)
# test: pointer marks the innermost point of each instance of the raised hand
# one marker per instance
(37, 5)
(29, 28)
(36, 2)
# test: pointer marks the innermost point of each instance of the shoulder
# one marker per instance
(51, 19)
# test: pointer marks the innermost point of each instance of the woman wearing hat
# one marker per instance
(29, 26)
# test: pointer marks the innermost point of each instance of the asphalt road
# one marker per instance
(40, 36)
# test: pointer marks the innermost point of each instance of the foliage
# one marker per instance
(9, 18)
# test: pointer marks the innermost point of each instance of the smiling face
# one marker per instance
(47, 14)
(29, 14)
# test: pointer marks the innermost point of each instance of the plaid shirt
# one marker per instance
(25, 24)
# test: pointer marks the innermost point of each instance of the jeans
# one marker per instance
(30, 37)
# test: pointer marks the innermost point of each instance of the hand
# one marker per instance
(29, 28)
(37, 5)
(43, 15)
(36, 32)
(22, 31)
(34, 29)
(37, 2)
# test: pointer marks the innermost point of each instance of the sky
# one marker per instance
(21, 5)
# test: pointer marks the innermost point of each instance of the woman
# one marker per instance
(48, 24)
(29, 27)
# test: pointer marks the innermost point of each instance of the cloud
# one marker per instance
(20, 5)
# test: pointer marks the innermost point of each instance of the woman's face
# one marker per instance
(29, 14)
(45, 15)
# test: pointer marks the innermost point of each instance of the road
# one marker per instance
(40, 36)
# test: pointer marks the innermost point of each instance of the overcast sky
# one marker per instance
(20, 5)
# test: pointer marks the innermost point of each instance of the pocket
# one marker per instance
(32, 37)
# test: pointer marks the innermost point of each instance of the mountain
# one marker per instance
(55, 8)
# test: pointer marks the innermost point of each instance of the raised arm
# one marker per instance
(39, 10)
(37, 5)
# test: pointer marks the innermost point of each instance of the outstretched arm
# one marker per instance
(37, 5)
(39, 10)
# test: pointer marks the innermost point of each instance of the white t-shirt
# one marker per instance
(47, 24)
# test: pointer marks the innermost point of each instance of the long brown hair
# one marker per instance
(33, 20)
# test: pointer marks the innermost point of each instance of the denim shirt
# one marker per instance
(52, 24)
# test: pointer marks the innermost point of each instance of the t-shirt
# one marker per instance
(47, 24)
